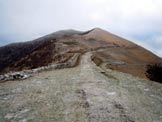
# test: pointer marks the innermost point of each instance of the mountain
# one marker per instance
(108, 51)
(73, 76)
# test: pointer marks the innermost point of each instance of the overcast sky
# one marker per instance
(137, 20)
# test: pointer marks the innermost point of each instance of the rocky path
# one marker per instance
(84, 93)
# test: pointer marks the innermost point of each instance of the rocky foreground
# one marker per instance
(85, 93)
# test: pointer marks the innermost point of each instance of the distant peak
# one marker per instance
(93, 30)
(97, 28)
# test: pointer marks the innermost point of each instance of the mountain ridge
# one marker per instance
(59, 46)
(87, 77)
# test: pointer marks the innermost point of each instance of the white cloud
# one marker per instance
(154, 44)
(130, 16)
(159, 52)
(158, 40)
(32, 18)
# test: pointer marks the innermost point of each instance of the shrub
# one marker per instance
(154, 72)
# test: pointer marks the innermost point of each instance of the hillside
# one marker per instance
(73, 76)
(108, 49)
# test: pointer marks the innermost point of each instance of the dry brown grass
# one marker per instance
(60, 46)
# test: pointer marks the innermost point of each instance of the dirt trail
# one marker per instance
(84, 93)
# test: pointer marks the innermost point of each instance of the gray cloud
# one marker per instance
(23, 20)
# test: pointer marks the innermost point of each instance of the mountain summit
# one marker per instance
(73, 76)
(108, 49)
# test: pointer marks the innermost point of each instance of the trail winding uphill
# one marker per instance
(85, 93)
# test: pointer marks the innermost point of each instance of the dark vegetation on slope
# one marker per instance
(154, 72)
(11, 53)
(40, 52)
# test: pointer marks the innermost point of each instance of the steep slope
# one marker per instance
(40, 52)
(108, 37)
(109, 51)
(121, 54)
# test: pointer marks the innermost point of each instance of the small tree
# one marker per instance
(154, 72)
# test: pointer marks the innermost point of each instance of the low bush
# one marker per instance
(154, 72)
